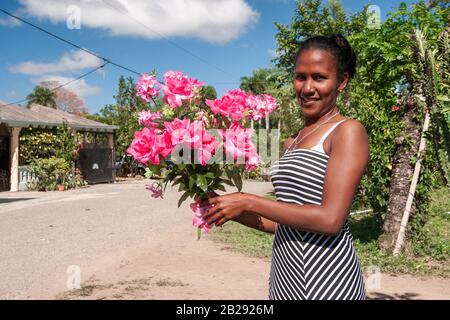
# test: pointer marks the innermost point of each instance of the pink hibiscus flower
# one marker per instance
(261, 106)
(204, 143)
(155, 189)
(179, 87)
(199, 213)
(147, 87)
(146, 118)
(147, 146)
(234, 104)
(178, 130)
(237, 142)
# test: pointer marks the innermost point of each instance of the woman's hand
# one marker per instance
(226, 208)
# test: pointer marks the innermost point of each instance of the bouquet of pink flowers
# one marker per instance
(186, 140)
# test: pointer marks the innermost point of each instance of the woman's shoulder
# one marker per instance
(350, 126)
(350, 132)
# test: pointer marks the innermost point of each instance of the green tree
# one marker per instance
(386, 77)
(123, 113)
(209, 92)
(311, 18)
(42, 96)
(261, 81)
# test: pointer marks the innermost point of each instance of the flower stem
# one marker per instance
(199, 233)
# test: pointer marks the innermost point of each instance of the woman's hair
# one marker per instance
(338, 46)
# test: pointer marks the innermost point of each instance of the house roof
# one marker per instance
(45, 117)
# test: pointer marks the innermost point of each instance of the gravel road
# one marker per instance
(124, 244)
(43, 234)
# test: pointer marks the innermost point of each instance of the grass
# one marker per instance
(434, 238)
(170, 283)
(426, 255)
(250, 242)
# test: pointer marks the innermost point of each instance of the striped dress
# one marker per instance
(307, 265)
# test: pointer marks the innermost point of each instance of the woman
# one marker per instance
(315, 182)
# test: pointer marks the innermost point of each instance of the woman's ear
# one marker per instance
(343, 81)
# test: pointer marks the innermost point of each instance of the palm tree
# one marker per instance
(42, 96)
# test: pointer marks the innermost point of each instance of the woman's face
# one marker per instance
(316, 82)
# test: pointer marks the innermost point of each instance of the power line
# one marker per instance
(170, 41)
(62, 85)
(108, 60)
(69, 42)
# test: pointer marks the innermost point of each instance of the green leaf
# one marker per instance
(210, 175)
(191, 181)
(202, 183)
(221, 188)
(182, 187)
(228, 182)
(237, 179)
(148, 173)
(183, 198)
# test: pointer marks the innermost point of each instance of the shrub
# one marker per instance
(75, 180)
(48, 173)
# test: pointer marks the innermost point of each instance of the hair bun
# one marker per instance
(347, 52)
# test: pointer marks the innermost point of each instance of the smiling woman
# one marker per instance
(315, 182)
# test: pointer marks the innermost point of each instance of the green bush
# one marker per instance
(75, 180)
(254, 175)
(48, 173)
(433, 239)
(45, 143)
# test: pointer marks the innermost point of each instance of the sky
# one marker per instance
(214, 41)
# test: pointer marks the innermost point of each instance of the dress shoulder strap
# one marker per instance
(329, 131)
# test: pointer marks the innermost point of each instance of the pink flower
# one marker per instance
(204, 143)
(253, 162)
(194, 135)
(155, 189)
(146, 118)
(178, 130)
(178, 87)
(261, 106)
(147, 146)
(165, 144)
(199, 213)
(395, 108)
(146, 88)
(234, 104)
(238, 142)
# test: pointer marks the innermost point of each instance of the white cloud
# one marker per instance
(217, 21)
(9, 22)
(69, 62)
(80, 87)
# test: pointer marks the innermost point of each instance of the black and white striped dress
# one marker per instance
(306, 265)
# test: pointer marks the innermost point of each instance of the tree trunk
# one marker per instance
(402, 171)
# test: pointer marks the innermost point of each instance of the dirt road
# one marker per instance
(122, 244)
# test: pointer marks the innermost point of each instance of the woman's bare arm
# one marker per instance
(257, 222)
(349, 153)
(253, 220)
